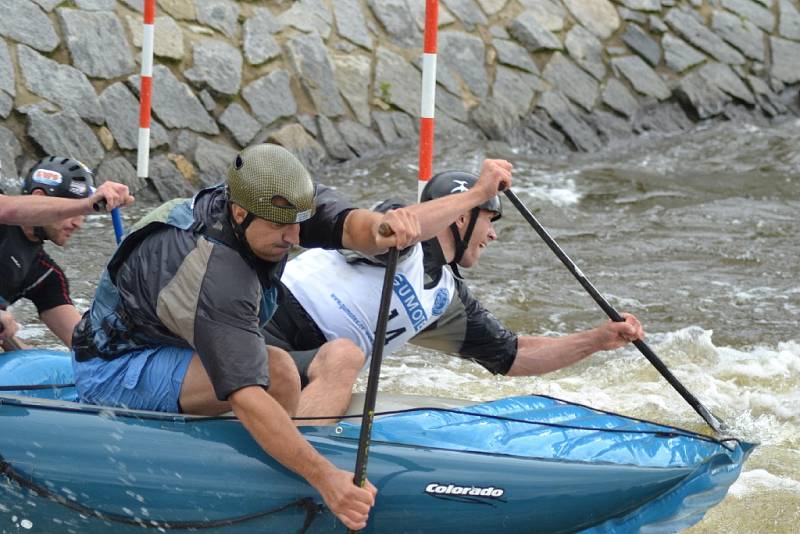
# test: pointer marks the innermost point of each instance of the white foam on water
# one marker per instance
(759, 479)
(557, 188)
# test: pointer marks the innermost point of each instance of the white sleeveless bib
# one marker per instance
(343, 298)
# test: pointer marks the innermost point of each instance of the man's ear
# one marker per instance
(239, 213)
(461, 220)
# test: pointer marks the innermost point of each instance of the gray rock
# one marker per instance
(6, 105)
(333, 140)
(462, 58)
(785, 60)
(454, 131)
(747, 9)
(309, 57)
(122, 171)
(586, 50)
(8, 81)
(179, 9)
(664, 117)
(765, 98)
(642, 5)
(121, 110)
(598, 16)
(706, 99)
(222, 15)
(48, 5)
(207, 100)
(175, 103)
(693, 31)
(137, 5)
(350, 23)
(167, 38)
(398, 20)
(510, 53)
(350, 71)
(499, 32)
(656, 24)
(65, 133)
(295, 139)
(490, 7)
(541, 136)
(167, 180)
(404, 125)
(97, 43)
(66, 86)
(396, 82)
(789, 26)
(309, 123)
(678, 55)
(42, 105)
(634, 16)
(310, 16)
(571, 81)
(495, 118)
(185, 143)
(740, 33)
(385, 123)
(564, 115)
(242, 126)
(96, 5)
(616, 96)
(25, 23)
(259, 44)
(532, 35)
(550, 14)
(515, 89)
(218, 65)
(359, 138)
(468, 12)
(723, 77)
(10, 150)
(212, 160)
(417, 9)
(643, 78)
(270, 97)
(452, 106)
(611, 127)
(641, 43)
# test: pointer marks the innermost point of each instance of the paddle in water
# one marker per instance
(375, 366)
(714, 422)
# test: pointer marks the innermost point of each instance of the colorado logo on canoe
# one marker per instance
(436, 489)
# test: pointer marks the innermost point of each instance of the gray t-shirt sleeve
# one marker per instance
(470, 331)
(226, 333)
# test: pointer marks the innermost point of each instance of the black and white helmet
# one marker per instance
(59, 177)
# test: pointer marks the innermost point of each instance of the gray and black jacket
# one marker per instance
(182, 278)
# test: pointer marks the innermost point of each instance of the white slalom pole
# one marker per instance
(146, 89)
(428, 94)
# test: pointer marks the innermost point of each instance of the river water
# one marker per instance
(696, 234)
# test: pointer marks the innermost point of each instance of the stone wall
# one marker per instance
(340, 79)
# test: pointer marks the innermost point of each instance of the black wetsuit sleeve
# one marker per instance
(469, 330)
(326, 228)
(46, 285)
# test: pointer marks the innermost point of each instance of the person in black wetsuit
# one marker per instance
(26, 270)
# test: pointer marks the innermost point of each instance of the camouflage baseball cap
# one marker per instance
(270, 182)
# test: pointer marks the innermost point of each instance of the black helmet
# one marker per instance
(59, 177)
(450, 182)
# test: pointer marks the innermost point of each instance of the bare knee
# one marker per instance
(284, 379)
(340, 358)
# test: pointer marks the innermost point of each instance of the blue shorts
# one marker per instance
(148, 379)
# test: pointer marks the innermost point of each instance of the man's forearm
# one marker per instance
(274, 430)
(436, 215)
(537, 355)
(26, 210)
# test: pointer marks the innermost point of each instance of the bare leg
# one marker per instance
(198, 397)
(331, 375)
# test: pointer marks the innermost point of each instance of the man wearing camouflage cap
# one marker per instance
(175, 323)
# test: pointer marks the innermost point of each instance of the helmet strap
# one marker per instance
(239, 230)
(40, 233)
(462, 244)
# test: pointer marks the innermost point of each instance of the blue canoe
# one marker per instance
(520, 464)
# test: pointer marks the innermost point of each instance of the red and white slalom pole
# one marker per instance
(426, 125)
(146, 89)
